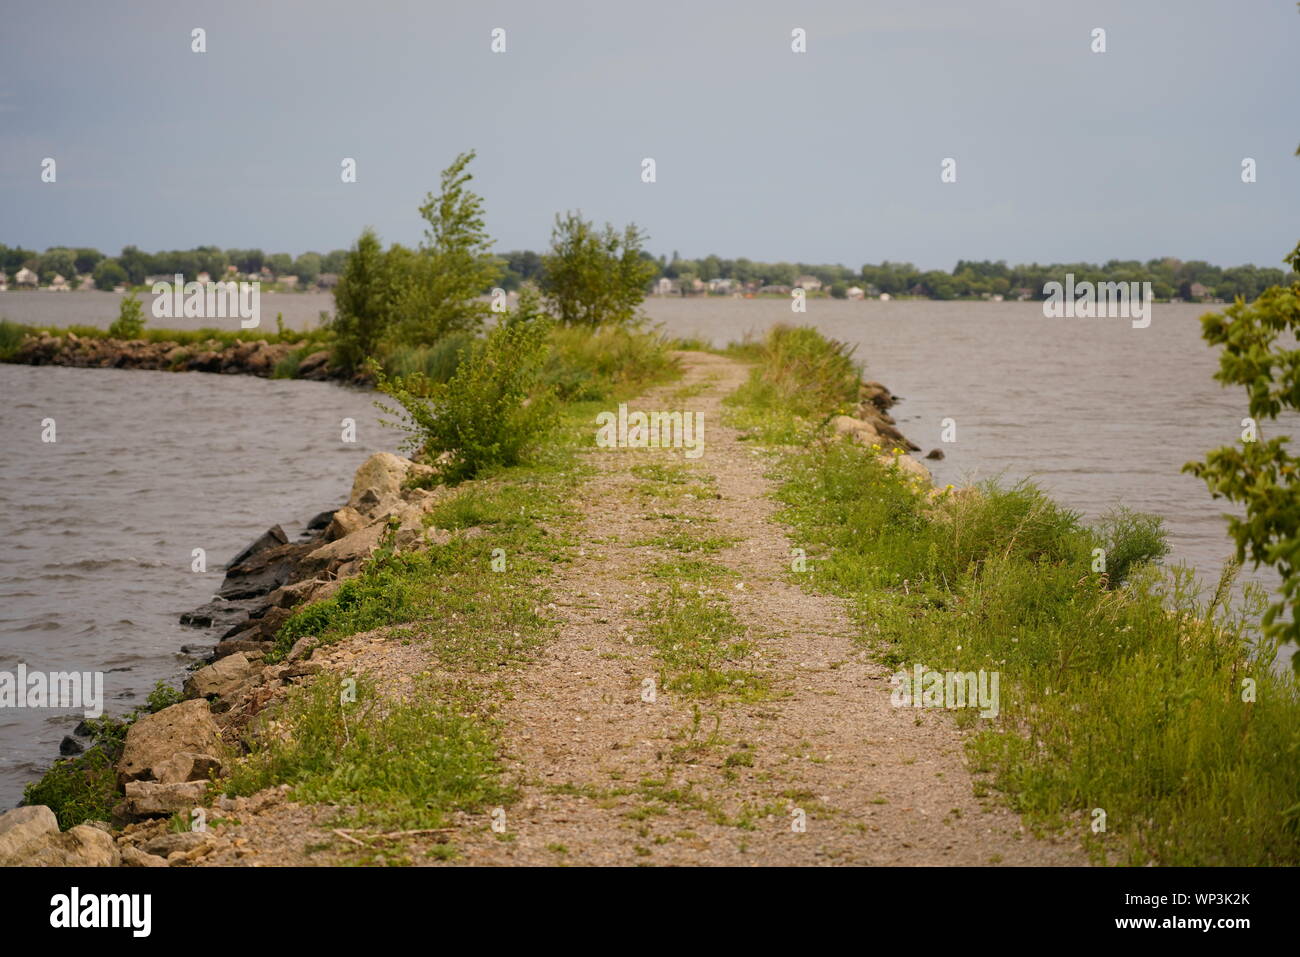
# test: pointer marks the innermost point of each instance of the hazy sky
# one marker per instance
(828, 156)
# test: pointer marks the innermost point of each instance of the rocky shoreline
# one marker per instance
(171, 756)
(257, 358)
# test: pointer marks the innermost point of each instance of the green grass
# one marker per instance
(393, 764)
(799, 380)
(1121, 690)
(183, 337)
(700, 645)
(11, 337)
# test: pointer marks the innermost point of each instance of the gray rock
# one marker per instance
(134, 857)
(272, 537)
(221, 678)
(23, 827)
(153, 739)
(151, 799)
(188, 766)
(29, 837)
(174, 841)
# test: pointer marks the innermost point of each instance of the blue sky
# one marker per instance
(828, 156)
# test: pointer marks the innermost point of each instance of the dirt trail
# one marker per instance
(607, 778)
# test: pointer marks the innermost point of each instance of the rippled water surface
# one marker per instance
(98, 528)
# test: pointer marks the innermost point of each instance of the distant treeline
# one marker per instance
(1170, 278)
(132, 265)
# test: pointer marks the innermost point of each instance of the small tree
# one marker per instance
(362, 303)
(129, 323)
(1262, 475)
(591, 277)
(455, 265)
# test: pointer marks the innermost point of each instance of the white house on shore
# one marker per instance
(26, 277)
(855, 292)
(808, 283)
(59, 284)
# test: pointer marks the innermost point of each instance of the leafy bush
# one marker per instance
(1130, 539)
(1259, 353)
(129, 323)
(362, 303)
(491, 411)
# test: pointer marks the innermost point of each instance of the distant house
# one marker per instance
(289, 282)
(774, 290)
(203, 278)
(917, 290)
(808, 283)
(666, 287)
(720, 287)
(26, 277)
(1198, 291)
(87, 283)
(856, 292)
(59, 284)
(4, 281)
(1022, 294)
(885, 297)
(150, 280)
(327, 280)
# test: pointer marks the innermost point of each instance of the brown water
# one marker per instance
(99, 527)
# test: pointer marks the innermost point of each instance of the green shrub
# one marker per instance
(491, 412)
(1130, 539)
(129, 323)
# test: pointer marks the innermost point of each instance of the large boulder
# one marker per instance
(152, 799)
(187, 766)
(355, 547)
(264, 571)
(222, 678)
(155, 738)
(343, 523)
(29, 836)
(858, 429)
(378, 482)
